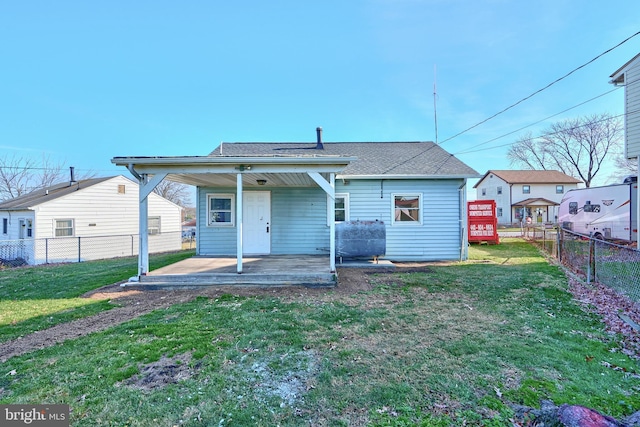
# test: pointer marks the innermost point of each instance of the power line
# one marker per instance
(553, 133)
(537, 122)
(544, 88)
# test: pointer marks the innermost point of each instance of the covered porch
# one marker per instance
(245, 174)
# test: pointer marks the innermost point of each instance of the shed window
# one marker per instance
(499, 190)
(499, 212)
(559, 189)
(64, 227)
(221, 209)
(5, 225)
(407, 209)
(122, 189)
(154, 225)
(526, 189)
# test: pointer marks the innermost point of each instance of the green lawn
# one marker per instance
(34, 298)
(456, 345)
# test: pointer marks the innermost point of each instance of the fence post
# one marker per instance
(559, 238)
(46, 251)
(132, 245)
(79, 250)
(590, 262)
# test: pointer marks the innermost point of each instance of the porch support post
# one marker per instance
(637, 207)
(239, 222)
(332, 224)
(330, 188)
(145, 188)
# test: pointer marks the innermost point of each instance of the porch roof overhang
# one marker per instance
(222, 170)
(536, 201)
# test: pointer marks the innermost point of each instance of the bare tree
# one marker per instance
(174, 192)
(22, 175)
(577, 147)
(624, 167)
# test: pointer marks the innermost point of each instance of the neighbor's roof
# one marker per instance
(531, 177)
(618, 76)
(47, 194)
(425, 159)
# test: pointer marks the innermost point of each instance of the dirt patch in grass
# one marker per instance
(161, 373)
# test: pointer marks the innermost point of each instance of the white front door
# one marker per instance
(256, 222)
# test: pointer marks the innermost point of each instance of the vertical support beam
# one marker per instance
(239, 222)
(332, 223)
(637, 206)
(143, 227)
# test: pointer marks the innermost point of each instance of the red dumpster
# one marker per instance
(482, 221)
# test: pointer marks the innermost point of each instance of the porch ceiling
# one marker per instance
(291, 171)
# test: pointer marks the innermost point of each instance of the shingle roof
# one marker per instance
(43, 195)
(374, 158)
(531, 177)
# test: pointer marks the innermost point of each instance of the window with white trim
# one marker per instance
(499, 190)
(499, 212)
(526, 189)
(153, 225)
(221, 210)
(341, 207)
(407, 209)
(5, 225)
(64, 228)
(559, 189)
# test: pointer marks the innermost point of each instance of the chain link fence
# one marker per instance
(613, 265)
(15, 253)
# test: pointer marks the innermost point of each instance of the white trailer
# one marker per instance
(609, 212)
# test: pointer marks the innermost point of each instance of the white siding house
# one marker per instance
(629, 76)
(82, 220)
(535, 193)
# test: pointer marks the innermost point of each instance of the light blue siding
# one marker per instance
(299, 221)
(439, 235)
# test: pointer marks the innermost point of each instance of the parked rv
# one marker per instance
(609, 212)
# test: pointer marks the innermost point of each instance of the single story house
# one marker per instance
(285, 198)
(82, 220)
(525, 193)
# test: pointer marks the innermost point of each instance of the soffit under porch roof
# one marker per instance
(205, 171)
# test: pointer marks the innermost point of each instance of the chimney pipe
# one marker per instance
(73, 176)
(319, 145)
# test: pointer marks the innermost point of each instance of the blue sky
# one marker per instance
(85, 81)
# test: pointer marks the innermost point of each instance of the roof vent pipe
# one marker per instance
(319, 145)
(72, 180)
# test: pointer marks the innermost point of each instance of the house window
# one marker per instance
(499, 212)
(5, 226)
(221, 209)
(526, 189)
(499, 190)
(341, 207)
(559, 189)
(406, 209)
(121, 188)
(484, 191)
(153, 225)
(64, 227)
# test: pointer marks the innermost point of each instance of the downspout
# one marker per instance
(462, 196)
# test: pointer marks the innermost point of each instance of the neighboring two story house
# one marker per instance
(525, 193)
